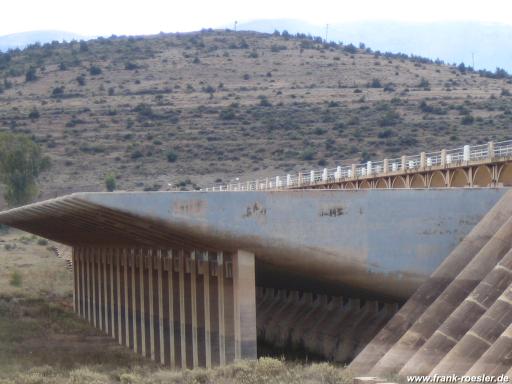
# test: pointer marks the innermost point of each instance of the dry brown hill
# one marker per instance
(215, 105)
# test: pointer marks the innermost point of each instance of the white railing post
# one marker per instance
(422, 160)
(312, 177)
(385, 165)
(369, 168)
(288, 180)
(354, 172)
(466, 155)
(338, 173)
(490, 150)
(299, 179)
(443, 158)
(266, 183)
(278, 182)
(324, 175)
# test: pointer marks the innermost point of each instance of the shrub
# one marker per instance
(34, 114)
(110, 183)
(467, 120)
(375, 83)
(131, 66)
(94, 70)
(227, 114)
(42, 242)
(171, 156)
(505, 92)
(264, 101)
(58, 91)
(30, 75)
(351, 48)
(390, 118)
(308, 155)
(80, 80)
(86, 376)
(16, 280)
(424, 83)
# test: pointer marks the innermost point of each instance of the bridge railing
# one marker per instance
(425, 160)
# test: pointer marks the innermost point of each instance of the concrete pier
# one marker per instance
(181, 308)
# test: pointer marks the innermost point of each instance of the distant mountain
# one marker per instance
(21, 40)
(453, 42)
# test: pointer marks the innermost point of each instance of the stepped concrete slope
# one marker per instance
(455, 330)
(432, 288)
(195, 279)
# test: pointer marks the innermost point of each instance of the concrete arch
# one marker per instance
(399, 182)
(381, 184)
(437, 180)
(349, 185)
(459, 178)
(505, 175)
(365, 184)
(482, 177)
(418, 181)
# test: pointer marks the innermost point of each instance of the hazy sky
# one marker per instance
(105, 17)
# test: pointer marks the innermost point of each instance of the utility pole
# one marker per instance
(326, 31)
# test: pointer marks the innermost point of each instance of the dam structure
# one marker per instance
(389, 280)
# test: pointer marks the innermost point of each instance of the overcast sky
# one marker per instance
(106, 17)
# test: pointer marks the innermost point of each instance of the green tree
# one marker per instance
(110, 182)
(21, 162)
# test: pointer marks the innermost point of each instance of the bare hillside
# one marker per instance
(194, 108)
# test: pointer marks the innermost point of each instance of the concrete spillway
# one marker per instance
(194, 279)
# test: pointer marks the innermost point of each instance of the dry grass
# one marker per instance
(229, 104)
(42, 341)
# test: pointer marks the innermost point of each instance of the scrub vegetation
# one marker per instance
(192, 108)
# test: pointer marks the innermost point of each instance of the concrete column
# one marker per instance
(177, 306)
(220, 294)
(135, 322)
(193, 310)
(354, 171)
(206, 295)
(118, 261)
(183, 342)
(244, 288)
(105, 290)
(111, 260)
(149, 260)
(76, 267)
(75, 279)
(83, 288)
(126, 298)
(385, 166)
(160, 306)
(403, 160)
(100, 287)
(89, 288)
(142, 266)
(94, 283)
(170, 288)
(423, 160)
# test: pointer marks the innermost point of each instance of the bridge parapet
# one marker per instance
(494, 155)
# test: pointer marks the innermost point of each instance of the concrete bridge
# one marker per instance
(486, 165)
(408, 281)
